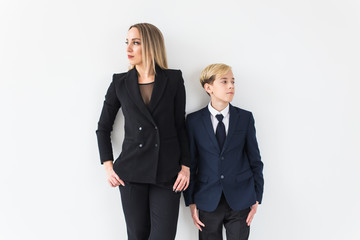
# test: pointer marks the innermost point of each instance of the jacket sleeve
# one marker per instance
(189, 192)
(105, 125)
(180, 100)
(253, 153)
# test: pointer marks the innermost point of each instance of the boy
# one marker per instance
(226, 180)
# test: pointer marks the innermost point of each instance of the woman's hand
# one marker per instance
(195, 217)
(252, 213)
(112, 178)
(182, 181)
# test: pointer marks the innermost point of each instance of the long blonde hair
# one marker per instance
(152, 46)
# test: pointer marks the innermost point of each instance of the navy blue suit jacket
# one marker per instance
(236, 170)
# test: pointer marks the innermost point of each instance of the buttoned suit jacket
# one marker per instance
(236, 170)
(155, 142)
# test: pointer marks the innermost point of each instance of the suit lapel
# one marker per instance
(209, 127)
(161, 80)
(234, 119)
(134, 93)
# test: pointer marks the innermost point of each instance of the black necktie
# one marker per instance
(220, 131)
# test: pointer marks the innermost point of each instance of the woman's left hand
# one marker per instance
(182, 181)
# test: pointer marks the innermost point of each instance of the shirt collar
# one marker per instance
(214, 112)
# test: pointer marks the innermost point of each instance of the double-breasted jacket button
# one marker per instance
(222, 177)
(140, 128)
(156, 145)
(140, 145)
(156, 127)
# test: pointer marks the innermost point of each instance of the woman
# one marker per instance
(153, 167)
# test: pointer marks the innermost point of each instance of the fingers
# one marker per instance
(249, 220)
(195, 217)
(181, 185)
(113, 183)
(186, 186)
(182, 181)
(252, 213)
(114, 180)
(250, 217)
(197, 222)
(119, 180)
(176, 183)
(110, 183)
(198, 226)
(122, 182)
(200, 223)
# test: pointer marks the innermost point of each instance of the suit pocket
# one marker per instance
(244, 176)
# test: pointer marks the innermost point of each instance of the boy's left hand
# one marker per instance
(252, 213)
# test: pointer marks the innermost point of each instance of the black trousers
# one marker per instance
(233, 221)
(151, 210)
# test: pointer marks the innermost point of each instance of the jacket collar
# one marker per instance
(132, 87)
(209, 128)
(234, 118)
(161, 80)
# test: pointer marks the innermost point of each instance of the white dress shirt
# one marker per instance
(225, 112)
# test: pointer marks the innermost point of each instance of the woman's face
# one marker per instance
(133, 48)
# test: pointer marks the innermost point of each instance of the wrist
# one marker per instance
(183, 167)
(108, 165)
(192, 206)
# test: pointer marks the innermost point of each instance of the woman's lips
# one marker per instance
(129, 56)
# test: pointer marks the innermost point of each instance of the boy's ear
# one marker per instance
(208, 88)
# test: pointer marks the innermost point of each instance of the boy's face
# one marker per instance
(222, 90)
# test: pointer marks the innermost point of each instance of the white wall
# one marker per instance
(296, 65)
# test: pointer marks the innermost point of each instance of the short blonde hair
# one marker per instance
(152, 46)
(212, 72)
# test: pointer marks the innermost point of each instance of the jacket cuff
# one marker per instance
(188, 198)
(259, 199)
(106, 158)
(185, 162)
(188, 202)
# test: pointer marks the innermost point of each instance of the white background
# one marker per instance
(296, 65)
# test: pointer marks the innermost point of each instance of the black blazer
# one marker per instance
(155, 143)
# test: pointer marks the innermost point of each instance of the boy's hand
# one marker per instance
(182, 181)
(252, 213)
(195, 217)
